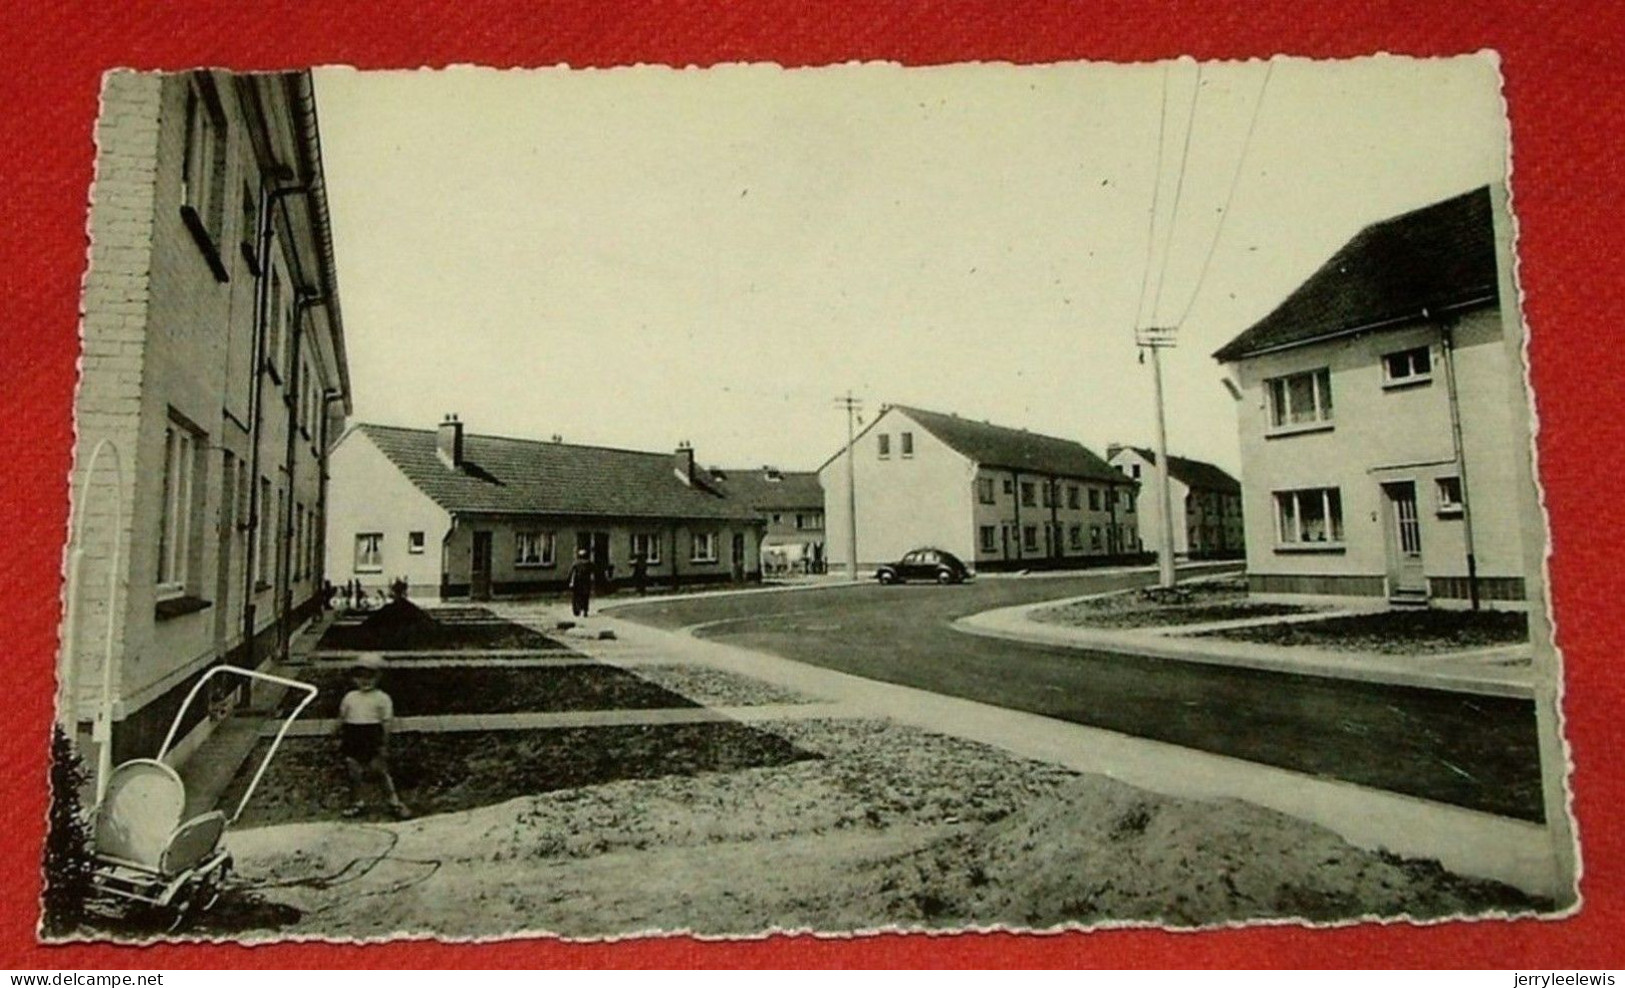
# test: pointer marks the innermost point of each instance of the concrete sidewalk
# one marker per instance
(1465, 841)
(1504, 671)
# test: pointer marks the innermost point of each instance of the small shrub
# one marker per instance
(68, 862)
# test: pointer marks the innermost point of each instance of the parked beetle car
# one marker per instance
(924, 564)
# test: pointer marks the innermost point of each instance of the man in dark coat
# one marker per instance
(640, 573)
(581, 578)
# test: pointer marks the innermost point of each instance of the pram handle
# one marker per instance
(307, 689)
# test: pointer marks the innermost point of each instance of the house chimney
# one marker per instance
(449, 442)
(682, 462)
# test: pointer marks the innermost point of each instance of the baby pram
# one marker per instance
(146, 855)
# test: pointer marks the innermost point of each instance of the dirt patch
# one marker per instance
(448, 772)
(1154, 607)
(401, 625)
(716, 688)
(1099, 850)
(886, 826)
(498, 690)
(1420, 632)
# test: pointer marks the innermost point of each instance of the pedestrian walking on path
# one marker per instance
(580, 583)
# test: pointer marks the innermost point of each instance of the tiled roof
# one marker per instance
(1438, 257)
(792, 489)
(524, 476)
(1016, 449)
(1194, 473)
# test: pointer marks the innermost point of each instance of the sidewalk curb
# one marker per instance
(1013, 624)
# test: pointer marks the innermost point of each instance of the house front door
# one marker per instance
(479, 572)
(597, 546)
(1404, 531)
(739, 557)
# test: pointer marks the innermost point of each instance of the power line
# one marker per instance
(1179, 190)
(1224, 214)
(1156, 187)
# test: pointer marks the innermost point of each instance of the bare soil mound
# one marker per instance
(1098, 850)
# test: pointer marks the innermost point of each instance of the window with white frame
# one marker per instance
(533, 548)
(647, 545)
(906, 442)
(1029, 493)
(1094, 499)
(808, 520)
(414, 543)
(369, 552)
(1094, 537)
(1449, 492)
(884, 443)
(1075, 536)
(1413, 366)
(1310, 517)
(1029, 537)
(1074, 497)
(203, 169)
(1009, 486)
(989, 538)
(984, 490)
(1299, 400)
(176, 528)
(1128, 502)
(703, 548)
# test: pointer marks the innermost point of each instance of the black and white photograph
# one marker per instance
(723, 501)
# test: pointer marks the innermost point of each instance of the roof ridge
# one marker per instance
(517, 439)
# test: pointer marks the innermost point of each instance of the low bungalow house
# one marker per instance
(464, 515)
(1379, 439)
(1206, 502)
(997, 497)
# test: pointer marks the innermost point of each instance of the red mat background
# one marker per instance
(1565, 82)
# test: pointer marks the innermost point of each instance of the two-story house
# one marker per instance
(1206, 503)
(1379, 452)
(997, 497)
(464, 515)
(214, 374)
(791, 504)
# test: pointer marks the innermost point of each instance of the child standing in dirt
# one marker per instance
(364, 716)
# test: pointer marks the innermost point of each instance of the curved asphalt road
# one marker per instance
(1472, 751)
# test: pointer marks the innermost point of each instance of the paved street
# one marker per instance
(1473, 751)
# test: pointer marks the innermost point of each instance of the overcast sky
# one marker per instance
(634, 257)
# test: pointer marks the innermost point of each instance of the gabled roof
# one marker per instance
(1015, 449)
(792, 489)
(1193, 473)
(525, 476)
(1440, 257)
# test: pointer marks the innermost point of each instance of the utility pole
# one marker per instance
(851, 405)
(1156, 340)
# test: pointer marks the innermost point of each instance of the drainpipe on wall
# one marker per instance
(1447, 350)
(302, 304)
(1054, 516)
(269, 198)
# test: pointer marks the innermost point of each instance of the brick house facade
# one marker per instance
(213, 374)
